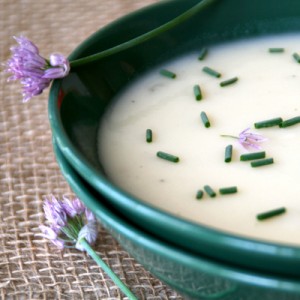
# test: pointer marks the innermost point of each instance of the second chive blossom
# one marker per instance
(69, 221)
(248, 139)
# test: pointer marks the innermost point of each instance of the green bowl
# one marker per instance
(194, 276)
(78, 101)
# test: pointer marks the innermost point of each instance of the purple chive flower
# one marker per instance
(69, 221)
(33, 71)
(248, 139)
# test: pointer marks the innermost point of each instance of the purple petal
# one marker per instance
(58, 243)
(89, 216)
(57, 60)
(54, 213)
(53, 73)
(48, 232)
(78, 205)
(26, 43)
(68, 207)
(51, 235)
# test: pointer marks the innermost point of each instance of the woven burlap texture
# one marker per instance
(31, 268)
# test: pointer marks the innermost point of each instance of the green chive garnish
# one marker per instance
(252, 156)
(276, 50)
(268, 123)
(204, 119)
(202, 54)
(296, 57)
(228, 153)
(228, 190)
(149, 135)
(262, 162)
(167, 156)
(271, 213)
(228, 82)
(167, 73)
(210, 191)
(211, 72)
(199, 194)
(290, 122)
(197, 92)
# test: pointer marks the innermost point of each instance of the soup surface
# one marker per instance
(268, 87)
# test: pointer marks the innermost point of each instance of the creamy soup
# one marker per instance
(268, 87)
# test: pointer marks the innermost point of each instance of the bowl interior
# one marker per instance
(78, 101)
(195, 276)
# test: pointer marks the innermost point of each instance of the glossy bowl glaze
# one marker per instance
(194, 276)
(78, 101)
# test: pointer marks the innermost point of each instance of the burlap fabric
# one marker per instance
(31, 268)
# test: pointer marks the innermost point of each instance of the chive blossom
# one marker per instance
(197, 92)
(211, 193)
(167, 73)
(268, 123)
(199, 194)
(211, 72)
(149, 135)
(290, 122)
(202, 53)
(228, 190)
(248, 139)
(205, 119)
(276, 50)
(262, 162)
(228, 82)
(296, 57)
(167, 156)
(228, 153)
(271, 213)
(252, 156)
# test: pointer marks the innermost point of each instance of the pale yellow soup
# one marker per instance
(268, 87)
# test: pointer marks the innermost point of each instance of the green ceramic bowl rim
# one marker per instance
(153, 244)
(213, 237)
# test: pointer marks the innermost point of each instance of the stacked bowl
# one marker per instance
(198, 261)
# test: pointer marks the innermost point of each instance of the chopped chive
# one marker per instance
(228, 190)
(270, 213)
(228, 153)
(290, 122)
(268, 123)
(199, 194)
(276, 50)
(149, 135)
(167, 156)
(197, 92)
(202, 53)
(211, 72)
(262, 162)
(296, 57)
(252, 156)
(167, 73)
(228, 82)
(204, 119)
(210, 191)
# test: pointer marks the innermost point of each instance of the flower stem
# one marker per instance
(107, 269)
(144, 37)
(231, 136)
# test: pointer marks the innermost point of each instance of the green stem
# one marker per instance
(231, 136)
(107, 269)
(144, 37)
